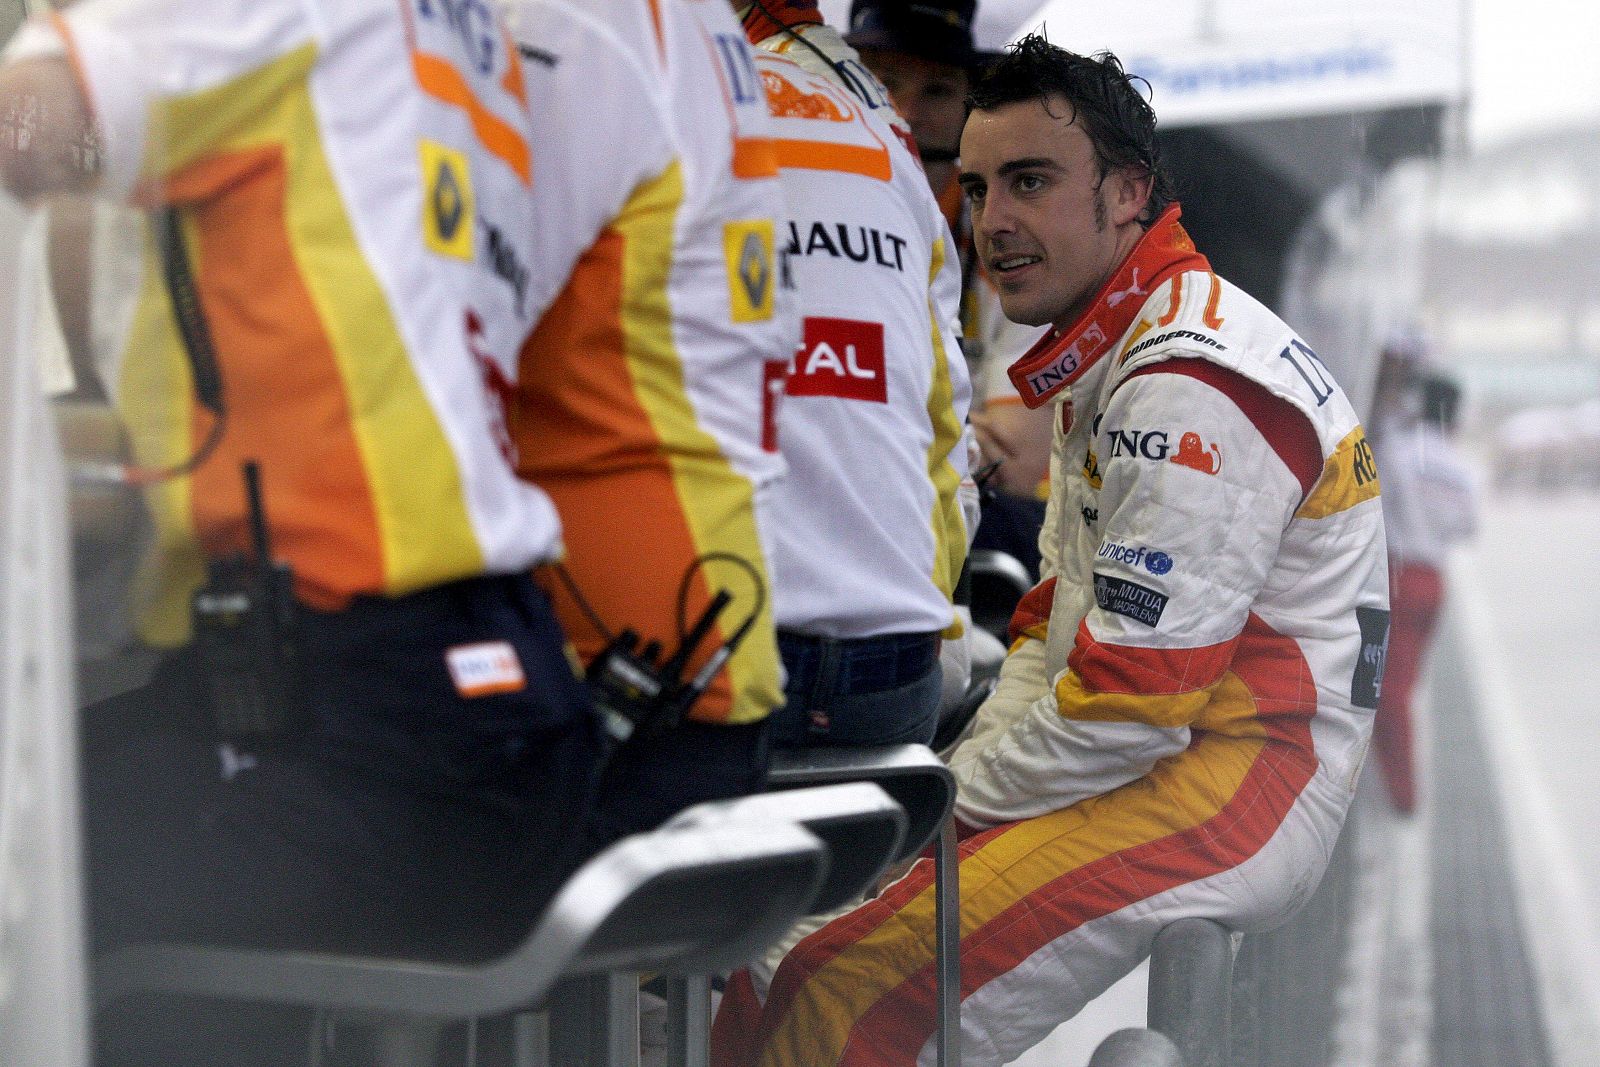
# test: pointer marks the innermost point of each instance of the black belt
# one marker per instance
(874, 663)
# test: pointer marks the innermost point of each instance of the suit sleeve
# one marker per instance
(1192, 519)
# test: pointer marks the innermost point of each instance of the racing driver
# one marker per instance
(1180, 722)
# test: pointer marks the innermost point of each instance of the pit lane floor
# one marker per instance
(1526, 615)
(1470, 936)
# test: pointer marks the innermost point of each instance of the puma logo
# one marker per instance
(1122, 294)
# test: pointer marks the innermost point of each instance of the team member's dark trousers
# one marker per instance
(862, 691)
(651, 779)
(407, 820)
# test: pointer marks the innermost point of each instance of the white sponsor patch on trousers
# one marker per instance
(485, 668)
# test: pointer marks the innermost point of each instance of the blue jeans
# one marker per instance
(857, 691)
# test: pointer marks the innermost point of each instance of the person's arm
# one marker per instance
(118, 85)
(48, 149)
(1008, 430)
(72, 260)
(1018, 437)
(1183, 556)
(1023, 675)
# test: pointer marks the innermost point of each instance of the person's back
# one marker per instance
(380, 473)
(645, 405)
(349, 185)
(870, 538)
(926, 55)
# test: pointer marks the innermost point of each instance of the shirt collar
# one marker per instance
(1063, 357)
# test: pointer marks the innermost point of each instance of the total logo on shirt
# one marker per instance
(842, 358)
(1153, 560)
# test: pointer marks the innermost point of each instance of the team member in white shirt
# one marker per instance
(870, 540)
(349, 184)
(645, 404)
(1429, 504)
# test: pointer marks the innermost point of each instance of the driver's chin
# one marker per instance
(1023, 311)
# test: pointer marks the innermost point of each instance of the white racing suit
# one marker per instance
(1179, 726)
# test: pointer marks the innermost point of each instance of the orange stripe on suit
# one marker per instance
(1147, 671)
(1032, 611)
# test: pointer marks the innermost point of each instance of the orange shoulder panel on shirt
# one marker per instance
(444, 82)
(844, 140)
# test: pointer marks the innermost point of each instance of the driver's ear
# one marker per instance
(1130, 192)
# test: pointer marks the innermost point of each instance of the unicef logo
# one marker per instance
(1152, 560)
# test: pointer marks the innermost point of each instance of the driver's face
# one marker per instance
(1049, 223)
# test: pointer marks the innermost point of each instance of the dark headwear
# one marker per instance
(936, 30)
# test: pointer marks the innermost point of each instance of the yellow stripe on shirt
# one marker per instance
(718, 501)
(949, 528)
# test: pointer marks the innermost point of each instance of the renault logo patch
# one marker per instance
(748, 247)
(447, 205)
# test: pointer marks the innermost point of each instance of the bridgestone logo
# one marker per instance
(1173, 335)
(1129, 599)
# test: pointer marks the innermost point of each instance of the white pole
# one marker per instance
(43, 1003)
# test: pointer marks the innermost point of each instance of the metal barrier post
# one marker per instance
(1191, 985)
(595, 1021)
(688, 1021)
(924, 786)
(947, 919)
(530, 1039)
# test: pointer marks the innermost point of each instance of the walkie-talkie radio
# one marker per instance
(638, 694)
(247, 635)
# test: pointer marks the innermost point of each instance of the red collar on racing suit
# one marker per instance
(771, 17)
(1061, 358)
